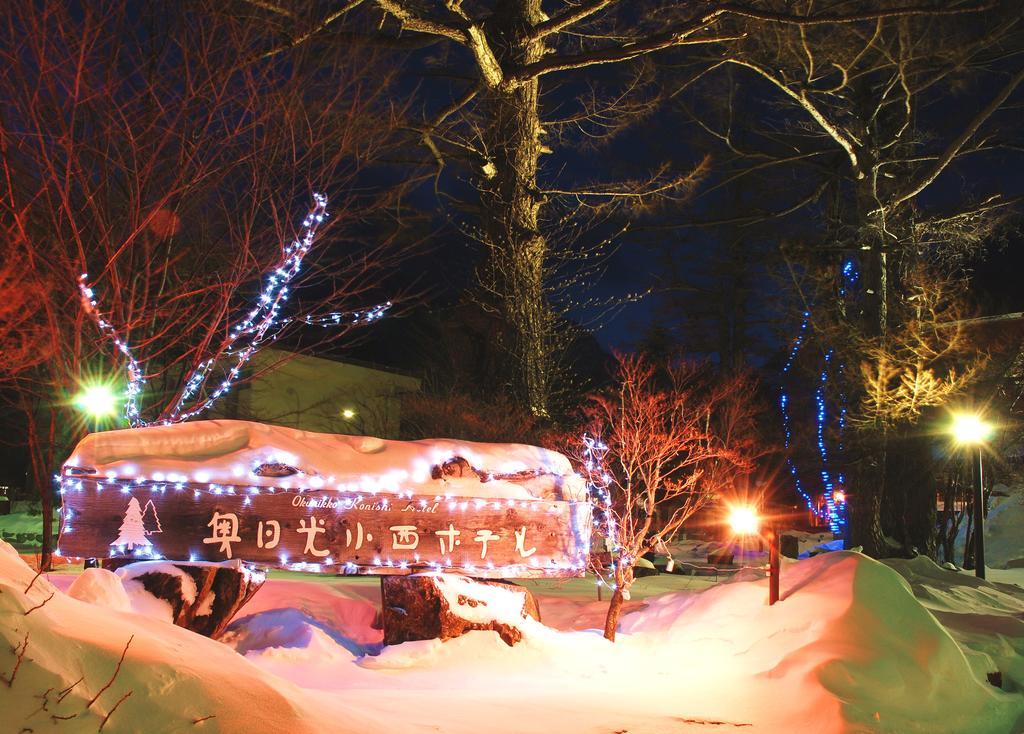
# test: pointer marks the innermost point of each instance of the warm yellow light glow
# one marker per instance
(968, 428)
(348, 414)
(98, 401)
(839, 496)
(744, 520)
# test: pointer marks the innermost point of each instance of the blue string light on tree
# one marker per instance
(830, 514)
(784, 403)
(834, 510)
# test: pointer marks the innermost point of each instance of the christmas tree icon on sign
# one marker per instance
(132, 533)
(150, 520)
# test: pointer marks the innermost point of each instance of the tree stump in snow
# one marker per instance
(443, 606)
(203, 596)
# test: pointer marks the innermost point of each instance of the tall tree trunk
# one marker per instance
(732, 314)
(511, 203)
(865, 506)
(868, 493)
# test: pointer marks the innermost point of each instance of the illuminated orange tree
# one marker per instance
(156, 150)
(658, 446)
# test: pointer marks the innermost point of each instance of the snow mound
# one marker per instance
(171, 680)
(500, 604)
(289, 629)
(102, 587)
(228, 452)
(848, 639)
(985, 618)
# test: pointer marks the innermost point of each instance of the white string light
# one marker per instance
(340, 502)
(136, 378)
(245, 338)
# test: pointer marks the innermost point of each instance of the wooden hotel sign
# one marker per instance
(324, 530)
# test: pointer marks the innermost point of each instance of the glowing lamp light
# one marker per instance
(744, 520)
(348, 414)
(970, 429)
(98, 401)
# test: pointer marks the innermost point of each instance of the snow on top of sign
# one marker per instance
(230, 451)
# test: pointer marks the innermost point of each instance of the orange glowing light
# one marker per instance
(744, 520)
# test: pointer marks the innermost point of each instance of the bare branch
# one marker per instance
(33, 581)
(471, 35)
(843, 18)
(40, 605)
(114, 676)
(845, 140)
(19, 656)
(683, 35)
(306, 35)
(568, 18)
(62, 694)
(271, 7)
(413, 22)
(113, 709)
(616, 54)
(956, 144)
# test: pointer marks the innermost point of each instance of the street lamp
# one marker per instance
(97, 401)
(972, 431)
(745, 520)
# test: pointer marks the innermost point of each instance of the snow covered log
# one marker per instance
(443, 606)
(202, 597)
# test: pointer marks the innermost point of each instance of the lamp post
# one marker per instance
(744, 520)
(972, 431)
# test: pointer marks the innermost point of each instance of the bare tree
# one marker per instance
(656, 449)
(864, 124)
(174, 176)
(501, 54)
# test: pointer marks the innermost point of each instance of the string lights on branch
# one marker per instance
(263, 322)
(337, 318)
(599, 481)
(136, 378)
(245, 337)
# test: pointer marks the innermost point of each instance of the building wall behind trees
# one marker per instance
(321, 395)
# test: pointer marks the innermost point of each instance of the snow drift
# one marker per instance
(848, 649)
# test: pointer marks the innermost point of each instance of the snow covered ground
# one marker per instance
(854, 646)
(1004, 529)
